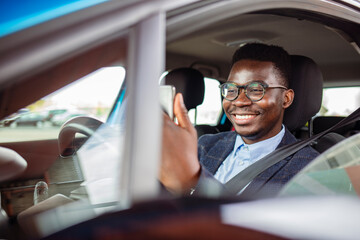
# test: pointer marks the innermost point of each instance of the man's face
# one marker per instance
(257, 121)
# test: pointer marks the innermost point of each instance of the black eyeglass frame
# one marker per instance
(264, 86)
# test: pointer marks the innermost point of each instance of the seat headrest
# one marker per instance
(307, 83)
(189, 82)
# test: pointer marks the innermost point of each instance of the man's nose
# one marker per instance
(242, 99)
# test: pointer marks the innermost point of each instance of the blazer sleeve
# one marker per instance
(208, 186)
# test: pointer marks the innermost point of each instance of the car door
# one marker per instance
(45, 55)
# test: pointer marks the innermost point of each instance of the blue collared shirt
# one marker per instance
(243, 155)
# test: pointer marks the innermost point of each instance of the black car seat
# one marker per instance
(327, 141)
(190, 82)
(322, 123)
(307, 83)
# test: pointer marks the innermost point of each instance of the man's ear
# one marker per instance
(288, 98)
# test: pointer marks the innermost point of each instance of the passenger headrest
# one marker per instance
(307, 83)
(189, 82)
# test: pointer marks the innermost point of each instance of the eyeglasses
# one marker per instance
(254, 91)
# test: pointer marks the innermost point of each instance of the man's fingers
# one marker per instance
(180, 167)
(181, 112)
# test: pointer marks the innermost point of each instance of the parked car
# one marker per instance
(10, 119)
(53, 112)
(61, 118)
(29, 119)
(104, 183)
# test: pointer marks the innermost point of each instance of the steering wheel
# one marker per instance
(82, 124)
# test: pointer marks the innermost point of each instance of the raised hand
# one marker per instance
(180, 168)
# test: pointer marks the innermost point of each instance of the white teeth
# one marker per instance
(243, 116)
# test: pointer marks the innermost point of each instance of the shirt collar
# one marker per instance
(266, 146)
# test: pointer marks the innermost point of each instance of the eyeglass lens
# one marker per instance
(254, 91)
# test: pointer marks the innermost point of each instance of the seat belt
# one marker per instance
(244, 177)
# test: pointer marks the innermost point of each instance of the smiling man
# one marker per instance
(255, 115)
(255, 97)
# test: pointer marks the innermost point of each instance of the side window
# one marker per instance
(340, 101)
(210, 110)
(92, 95)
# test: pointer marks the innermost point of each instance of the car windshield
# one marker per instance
(101, 178)
(335, 172)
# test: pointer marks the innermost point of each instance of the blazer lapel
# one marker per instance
(219, 152)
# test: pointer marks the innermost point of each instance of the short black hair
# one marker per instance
(266, 53)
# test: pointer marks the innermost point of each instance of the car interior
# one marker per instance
(308, 79)
(200, 41)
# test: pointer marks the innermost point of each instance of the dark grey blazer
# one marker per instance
(213, 150)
